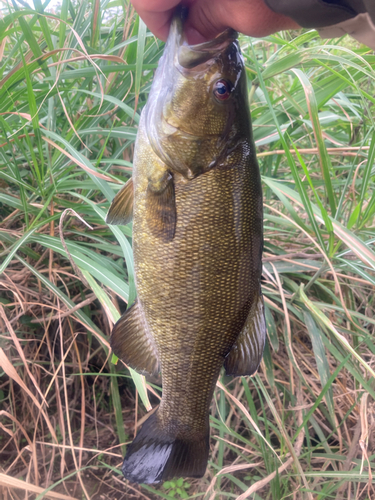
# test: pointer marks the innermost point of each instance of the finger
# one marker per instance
(156, 14)
(207, 19)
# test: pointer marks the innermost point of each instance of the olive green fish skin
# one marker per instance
(196, 290)
(197, 245)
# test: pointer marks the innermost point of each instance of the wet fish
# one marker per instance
(196, 202)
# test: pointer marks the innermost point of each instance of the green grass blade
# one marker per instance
(83, 161)
(306, 201)
(359, 247)
(322, 318)
(66, 300)
(62, 24)
(325, 162)
(23, 240)
(125, 245)
(128, 109)
(368, 172)
(321, 361)
(142, 30)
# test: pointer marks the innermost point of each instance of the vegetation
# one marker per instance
(74, 79)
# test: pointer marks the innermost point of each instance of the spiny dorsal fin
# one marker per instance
(161, 208)
(121, 209)
(132, 342)
(246, 353)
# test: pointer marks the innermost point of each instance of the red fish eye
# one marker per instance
(222, 90)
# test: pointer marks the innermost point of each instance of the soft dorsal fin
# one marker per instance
(121, 209)
(132, 342)
(161, 207)
(246, 353)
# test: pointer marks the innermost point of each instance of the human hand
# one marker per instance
(208, 18)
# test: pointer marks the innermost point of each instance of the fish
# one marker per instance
(195, 199)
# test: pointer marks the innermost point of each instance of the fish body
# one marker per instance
(196, 200)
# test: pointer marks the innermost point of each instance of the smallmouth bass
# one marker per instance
(196, 202)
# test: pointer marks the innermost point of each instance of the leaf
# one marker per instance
(84, 163)
(322, 318)
(12, 482)
(321, 361)
(305, 199)
(325, 162)
(128, 110)
(23, 240)
(81, 316)
(44, 25)
(139, 380)
(99, 271)
(368, 171)
(142, 30)
(320, 397)
(9, 369)
(359, 247)
(323, 211)
(125, 246)
(62, 24)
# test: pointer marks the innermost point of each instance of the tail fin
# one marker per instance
(156, 456)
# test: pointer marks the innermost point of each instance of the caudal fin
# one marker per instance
(156, 456)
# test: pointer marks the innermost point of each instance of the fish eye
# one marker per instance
(222, 90)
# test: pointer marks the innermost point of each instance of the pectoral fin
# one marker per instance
(246, 353)
(121, 209)
(132, 342)
(161, 207)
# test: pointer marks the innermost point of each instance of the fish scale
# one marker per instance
(197, 243)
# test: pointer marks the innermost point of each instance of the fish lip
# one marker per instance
(187, 56)
(221, 41)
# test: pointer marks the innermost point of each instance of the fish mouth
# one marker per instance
(187, 56)
(188, 60)
(191, 56)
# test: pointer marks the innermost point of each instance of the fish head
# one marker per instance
(197, 110)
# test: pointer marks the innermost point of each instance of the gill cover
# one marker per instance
(188, 125)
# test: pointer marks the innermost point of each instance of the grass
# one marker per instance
(73, 81)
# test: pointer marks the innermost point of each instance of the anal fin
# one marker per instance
(121, 209)
(132, 342)
(246, 353)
